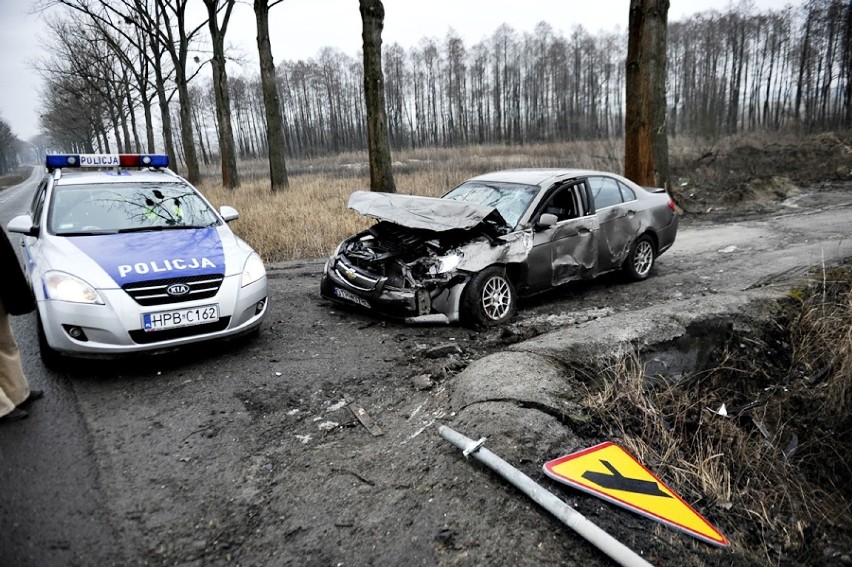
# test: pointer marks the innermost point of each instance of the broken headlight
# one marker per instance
(444, 264)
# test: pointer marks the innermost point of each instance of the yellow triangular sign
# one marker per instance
(609, 472)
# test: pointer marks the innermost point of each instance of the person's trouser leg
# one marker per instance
(13, 385)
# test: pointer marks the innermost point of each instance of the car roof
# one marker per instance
(538, 176)
(96, 176)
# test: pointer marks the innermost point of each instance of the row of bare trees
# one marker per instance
(727, 72)
(9, 148)
(741, 72)
(100, 45)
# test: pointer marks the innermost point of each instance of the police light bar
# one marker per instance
(53, 161)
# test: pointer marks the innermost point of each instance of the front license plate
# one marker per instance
(348, 296)
(180, 318)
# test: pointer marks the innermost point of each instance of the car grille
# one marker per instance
(141, 337)
(357, 278)
(153, 292)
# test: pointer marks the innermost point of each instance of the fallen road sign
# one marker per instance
(609, 472)
(616, 550)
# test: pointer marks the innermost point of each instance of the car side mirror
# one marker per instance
(228, 213)
(22, 224)
(545, 221)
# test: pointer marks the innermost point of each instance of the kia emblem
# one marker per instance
(177, 289)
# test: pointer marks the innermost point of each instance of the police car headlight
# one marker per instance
(445, 264)
(253, 270)
(65, 287)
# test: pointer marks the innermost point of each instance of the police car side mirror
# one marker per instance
(545, 221)
(22, 224)
(228, 213)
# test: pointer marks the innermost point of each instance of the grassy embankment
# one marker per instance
(776, 469)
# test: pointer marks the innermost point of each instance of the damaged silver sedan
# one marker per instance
(469, 255)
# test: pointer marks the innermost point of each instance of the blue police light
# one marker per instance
(54, 161)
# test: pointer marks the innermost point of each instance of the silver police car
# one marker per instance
(126, 256)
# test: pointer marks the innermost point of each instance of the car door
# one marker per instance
(619, 224)
(32, 244)
(568, 249)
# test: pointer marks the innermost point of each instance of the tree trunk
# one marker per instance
(271, 101)
(646, 159)
(193, 174)
(803, 65)
(847, 103)
(227, 153)
(179, 52)
(165, 118)
(372, 20)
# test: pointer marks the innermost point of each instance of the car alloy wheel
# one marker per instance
(641, 259)
(489, 298)
(496, 298)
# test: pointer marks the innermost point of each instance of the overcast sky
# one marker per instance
(299, 28)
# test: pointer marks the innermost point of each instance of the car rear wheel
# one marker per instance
(641, 258)
(489, 299)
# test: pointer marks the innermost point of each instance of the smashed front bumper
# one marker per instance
(345, 283)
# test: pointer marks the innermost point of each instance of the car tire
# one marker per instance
(641, 258)
(489, 298)
(49, 357)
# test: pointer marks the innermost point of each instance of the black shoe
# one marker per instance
(14, 415)
(34, 395)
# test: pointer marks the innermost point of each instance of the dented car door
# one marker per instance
(569, 248)
(620, 222)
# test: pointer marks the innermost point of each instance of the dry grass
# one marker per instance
(311, 218)
(822, 340)
(773, 475)
(307, 221)
(737, 478)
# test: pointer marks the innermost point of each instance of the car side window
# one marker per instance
(562, 204)
(627, 193)
(37, 204)
(605, 191)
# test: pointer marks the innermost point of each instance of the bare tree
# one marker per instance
(847, 64)
(275, 143)
(727, 71)
(218, 29)
(372, 19)
(168, 21)
(646, 159)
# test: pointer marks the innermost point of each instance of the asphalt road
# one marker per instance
(247, 452)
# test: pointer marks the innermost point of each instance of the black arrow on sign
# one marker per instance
(617, 481)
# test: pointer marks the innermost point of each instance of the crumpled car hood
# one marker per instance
(414, 211)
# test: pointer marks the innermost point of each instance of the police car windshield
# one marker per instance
(98, 209)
